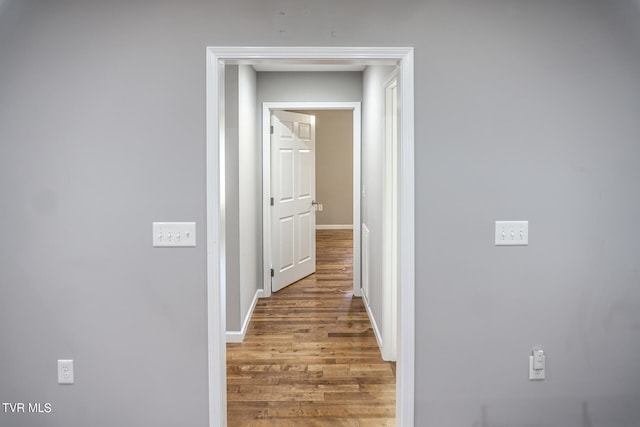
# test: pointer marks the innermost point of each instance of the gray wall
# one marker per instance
(528, 111)
(232, 196)
(524, 110)
(101, 133)
(250, 198)
(373, 143)
(309, 87)
(243, 185)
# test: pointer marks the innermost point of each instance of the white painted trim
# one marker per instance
(238, 336)
(216, 310)
(216, 274)
(405, 373)
(365, 254)
(390, 223)
(374, 325)
(266, 203)
(334, 227)
(357, 197)
(267, 107)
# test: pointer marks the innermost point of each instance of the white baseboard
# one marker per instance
(334, 227)
(238, 336)
(372, 319)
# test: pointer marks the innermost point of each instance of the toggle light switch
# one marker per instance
(174, 234)
(512, 233)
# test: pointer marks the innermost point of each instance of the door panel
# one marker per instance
(286, 130)
(306, 236)
(287, 171)
(304, 131)
(286, 237)
(293, 190)
(304, 189)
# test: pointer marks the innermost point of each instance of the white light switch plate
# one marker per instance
(512, 233)
(174, 234)
(65, 372)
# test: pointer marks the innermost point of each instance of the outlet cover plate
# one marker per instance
(535, 374)
(65, 372)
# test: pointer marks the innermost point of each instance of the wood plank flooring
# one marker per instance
(310, 357)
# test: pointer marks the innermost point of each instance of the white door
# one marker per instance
(293, 189)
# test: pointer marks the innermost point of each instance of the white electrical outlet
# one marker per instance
(512, 233)
(65, 372)
(174, 234)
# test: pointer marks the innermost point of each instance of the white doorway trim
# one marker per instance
(390, 220)
(215, 239)
(267, 108)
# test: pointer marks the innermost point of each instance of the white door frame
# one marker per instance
(216, 275)
(267, 108)
(390, 222)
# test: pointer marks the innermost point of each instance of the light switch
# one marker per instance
(512, 233)
(174, 234)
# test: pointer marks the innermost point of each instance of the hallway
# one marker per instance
(310, 357)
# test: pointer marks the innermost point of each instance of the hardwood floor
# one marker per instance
(310, 357)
